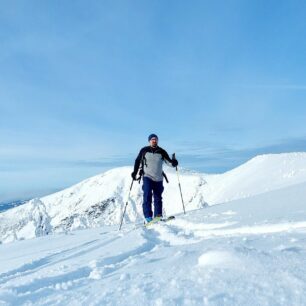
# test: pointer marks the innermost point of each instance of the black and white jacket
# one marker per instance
(151, 161)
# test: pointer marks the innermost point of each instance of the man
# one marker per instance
(151, 159)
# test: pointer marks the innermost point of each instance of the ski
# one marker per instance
(158, 220)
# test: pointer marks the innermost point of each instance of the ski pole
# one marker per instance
(126, 205)
(179, 183)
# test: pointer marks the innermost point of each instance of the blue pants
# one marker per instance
(156, 189)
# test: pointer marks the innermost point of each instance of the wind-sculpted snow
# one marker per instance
(245, 252)
(27, 221)
(99, 200)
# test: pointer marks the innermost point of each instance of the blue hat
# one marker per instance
(151, 136)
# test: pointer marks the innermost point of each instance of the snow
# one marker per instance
(250, 250)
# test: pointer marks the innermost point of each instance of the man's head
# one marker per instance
(153, 139)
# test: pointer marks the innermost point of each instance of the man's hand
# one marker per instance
(174, 162)
(134, 175)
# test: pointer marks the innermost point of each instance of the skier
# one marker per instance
(151, 159)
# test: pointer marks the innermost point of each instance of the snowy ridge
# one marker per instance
(99, 200)
(261, 174)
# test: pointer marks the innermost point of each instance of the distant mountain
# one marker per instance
(8, 205)
(99, 200)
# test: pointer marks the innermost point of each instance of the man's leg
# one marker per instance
(147, 197)
(158, 189)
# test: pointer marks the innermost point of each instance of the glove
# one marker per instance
(133, 175)
(174, 163)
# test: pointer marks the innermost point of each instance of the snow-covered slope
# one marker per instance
(99, 200)
(246, 252)
(261, 174)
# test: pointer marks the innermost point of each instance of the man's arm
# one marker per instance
(137, 163)
(170, 162)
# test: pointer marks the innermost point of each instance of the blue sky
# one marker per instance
(83, 83)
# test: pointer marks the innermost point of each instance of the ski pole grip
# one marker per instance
(173, 156)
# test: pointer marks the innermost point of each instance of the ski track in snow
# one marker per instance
(38, 286)
(53, 259)
(180, 231)
(72, 269)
